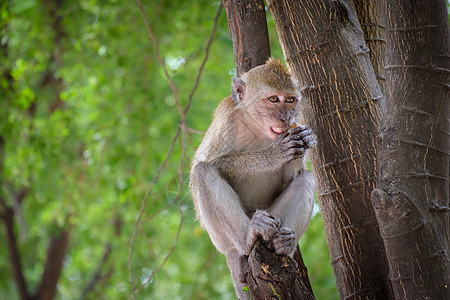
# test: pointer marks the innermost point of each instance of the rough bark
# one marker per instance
(372, 19)
(325, 49)
(412, 199)
(272, 276)
(248, 28)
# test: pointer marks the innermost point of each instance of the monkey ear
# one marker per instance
(238, 89)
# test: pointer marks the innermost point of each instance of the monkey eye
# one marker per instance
(289, 100)
(273, 99)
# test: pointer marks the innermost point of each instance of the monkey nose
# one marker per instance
(285, 122)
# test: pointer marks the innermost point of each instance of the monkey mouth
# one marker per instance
(278, 130)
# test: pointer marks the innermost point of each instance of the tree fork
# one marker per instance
(325, 50)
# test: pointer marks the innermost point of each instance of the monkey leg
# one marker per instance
(294, 208)
(233, 261)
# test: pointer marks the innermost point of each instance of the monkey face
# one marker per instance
(273, 113)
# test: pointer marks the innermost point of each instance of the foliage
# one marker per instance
(86, 165)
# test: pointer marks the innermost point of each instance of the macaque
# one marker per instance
(248, 178)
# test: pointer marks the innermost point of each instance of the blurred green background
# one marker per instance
(87, 118)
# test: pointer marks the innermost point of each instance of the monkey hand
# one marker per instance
(294, 144)
(261, 225)
(305, 135)
(285, 242)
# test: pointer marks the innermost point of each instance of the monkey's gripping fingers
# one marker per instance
(306, 135)
(292, 146)
(285, 242)
(261, 225)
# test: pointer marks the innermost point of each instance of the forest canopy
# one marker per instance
(88, 117)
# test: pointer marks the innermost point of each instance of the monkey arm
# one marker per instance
(294, 205)
(285, 148)
(244, 164)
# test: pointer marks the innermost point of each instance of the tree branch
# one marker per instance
(248, 29)
(14, 256)
(97, 275)
(270, 276)
(56, 252)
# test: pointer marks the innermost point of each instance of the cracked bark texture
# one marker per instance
(412, 199)
(324, 47)
(372, 20)
(272, 276)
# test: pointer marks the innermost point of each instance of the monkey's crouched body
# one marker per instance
(248, 177)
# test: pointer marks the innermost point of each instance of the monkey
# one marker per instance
(248, 177)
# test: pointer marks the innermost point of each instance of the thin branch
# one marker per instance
(144, 204)
(16, 199)
(182, 130)
(97, 276)
(180, 210)
(149, 241)
(200, 70)
(158, 56)
(195, 131)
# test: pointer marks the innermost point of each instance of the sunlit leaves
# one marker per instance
(87, 164)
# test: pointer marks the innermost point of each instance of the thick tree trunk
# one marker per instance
(325, 49)
(372, 19)
(412, 199)
(265, 273)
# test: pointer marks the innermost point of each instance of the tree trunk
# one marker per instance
(248, 28)
(56, 254)
(412, 199)
(372, 19)
(325, 49)
(265, 273)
